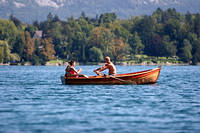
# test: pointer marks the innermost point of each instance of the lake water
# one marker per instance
(32, 99)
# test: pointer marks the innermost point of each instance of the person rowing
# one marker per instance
(108, 65)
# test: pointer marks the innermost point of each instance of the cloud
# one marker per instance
(18, 5)
(48, 3)
(154, 1)
(3, 1)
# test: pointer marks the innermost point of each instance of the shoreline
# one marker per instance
(95, 63)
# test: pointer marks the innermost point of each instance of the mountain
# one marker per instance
(30, 10)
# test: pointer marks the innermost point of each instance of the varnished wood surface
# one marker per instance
(143, 77)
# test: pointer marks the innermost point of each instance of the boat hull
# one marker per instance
(144, 77)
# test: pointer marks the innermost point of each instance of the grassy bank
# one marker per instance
(135, 60)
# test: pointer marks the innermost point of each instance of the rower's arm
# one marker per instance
(101, 68)
(79, 70)
(75, 70)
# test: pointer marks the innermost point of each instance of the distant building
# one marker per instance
(40, 47)
(38, 34)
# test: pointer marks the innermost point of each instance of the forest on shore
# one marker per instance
(164, 34)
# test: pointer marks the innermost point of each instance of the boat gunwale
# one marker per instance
(120, 79)
(135, 74)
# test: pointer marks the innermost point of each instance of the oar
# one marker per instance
(83, 75)
(125, 81)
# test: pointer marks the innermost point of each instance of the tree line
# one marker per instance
(165, 33)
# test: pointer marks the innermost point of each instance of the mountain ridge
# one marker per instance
(31, 10)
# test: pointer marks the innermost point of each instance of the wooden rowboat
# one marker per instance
(143, 77)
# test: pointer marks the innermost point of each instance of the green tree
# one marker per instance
(31, 29)
(171, 13)
(2, 45)
(136, 44)
(102, 38)
(119, 50)
(158, 15)
(189, 21)
(55, 33)
(29, 47)
(197, 24)
(186, 54)
(95, 55)
(8, 32)
(145, 29)
(46, 50)
(169, 47)
(4, 52)
(196, 51)
(163, 46)
(85, 26)
(120, 31)
(155, 46)
(16, 21)
(107, 18)
(172, 28)
(49, 17)
(79, 45)
(14, 57)
(19, 45)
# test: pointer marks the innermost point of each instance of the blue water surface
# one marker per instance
(32, 99)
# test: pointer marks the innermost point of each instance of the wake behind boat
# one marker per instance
(143, 77)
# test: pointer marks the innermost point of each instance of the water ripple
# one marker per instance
(34, 100)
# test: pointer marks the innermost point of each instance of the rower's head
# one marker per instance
(71, 63)
(107, 59)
